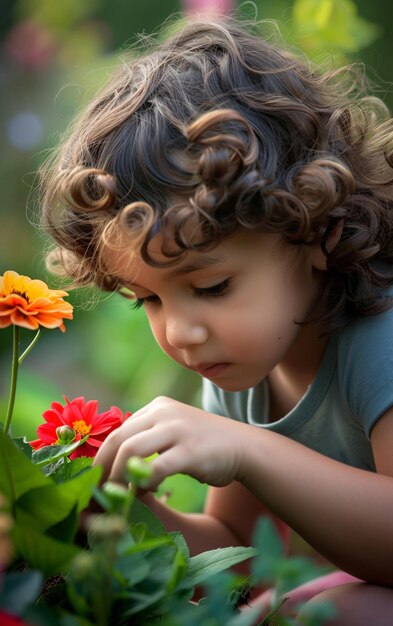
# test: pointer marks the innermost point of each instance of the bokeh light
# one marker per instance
(25, 130)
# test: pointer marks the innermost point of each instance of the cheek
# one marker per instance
(267, 323)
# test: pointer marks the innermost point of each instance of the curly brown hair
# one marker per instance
(216, 129)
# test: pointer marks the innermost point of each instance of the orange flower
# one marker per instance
(30, 303)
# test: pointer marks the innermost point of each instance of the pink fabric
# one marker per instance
(316, 586)
(307, 591)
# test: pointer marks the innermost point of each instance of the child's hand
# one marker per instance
(189, 441)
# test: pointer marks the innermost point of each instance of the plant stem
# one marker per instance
(14, 377)
(30, 346)
(129, 501)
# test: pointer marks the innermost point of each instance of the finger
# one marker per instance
(168, 463)
(110, 447)
(143, 444)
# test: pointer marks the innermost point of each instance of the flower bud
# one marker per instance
(84, 566)
(116, 493)
(65, 435)
(107, 527)
(139, 471)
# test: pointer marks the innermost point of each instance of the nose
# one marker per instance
(182, 332)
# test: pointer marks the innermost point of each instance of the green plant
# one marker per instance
(128, 565)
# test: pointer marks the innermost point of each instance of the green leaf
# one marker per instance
(133, 568)
(54, 502)
(267, 539)
(17, 474)
(41, 551)
(273, 566)
(270, 550)
(149, 544)
(158, 584)
(204, 565)
(181, 561)
(70, 469)
(74, 620)
(19, 589)
(140, 513)
(51, 454)
(52, 468)
(181, 543)
(66, 529)
(24, 446)
(139, 601)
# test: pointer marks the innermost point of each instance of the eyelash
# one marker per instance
(221, 289)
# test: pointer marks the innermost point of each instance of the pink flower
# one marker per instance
(31, 45)
(208, 7)
(83, 418)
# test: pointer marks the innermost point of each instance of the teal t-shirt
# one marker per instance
(352, 389)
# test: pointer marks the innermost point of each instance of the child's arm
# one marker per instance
(345, 513)
(228, 519)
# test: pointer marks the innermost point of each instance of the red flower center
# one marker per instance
(81, 427)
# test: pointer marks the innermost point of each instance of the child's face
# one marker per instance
(228, 313)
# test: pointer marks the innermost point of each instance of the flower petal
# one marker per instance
(5, 321)
(36, 444)
(18, 319)
(84, 450)
(47, 433)
(96, 443)
(30, 303)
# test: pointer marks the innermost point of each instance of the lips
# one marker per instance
(209, 370)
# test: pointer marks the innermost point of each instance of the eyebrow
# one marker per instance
(198, 264)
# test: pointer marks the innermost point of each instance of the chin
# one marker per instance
(235, 386)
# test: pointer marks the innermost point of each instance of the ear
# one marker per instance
(319, 256)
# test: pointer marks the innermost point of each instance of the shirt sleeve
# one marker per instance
(366, 367)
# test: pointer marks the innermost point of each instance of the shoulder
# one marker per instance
(365, 365)
(371, 335)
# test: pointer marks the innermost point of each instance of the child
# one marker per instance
(245, 201)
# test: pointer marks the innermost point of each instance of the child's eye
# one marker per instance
(139, 302)
(220, 289)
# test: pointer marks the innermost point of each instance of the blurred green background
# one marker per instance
(53, 57)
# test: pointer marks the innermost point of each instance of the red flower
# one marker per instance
(11, 620)
(84, 420)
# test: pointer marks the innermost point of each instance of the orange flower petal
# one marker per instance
(18, 319)
(48, 321)
(12, 300)
(30, 303)
(5, 321)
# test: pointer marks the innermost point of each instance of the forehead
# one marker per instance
(243, 246)
(127, 264)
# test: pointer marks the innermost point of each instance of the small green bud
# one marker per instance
(107, 527)
(83, 566)
(139, 472)
(65, 435)
(116, 493)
